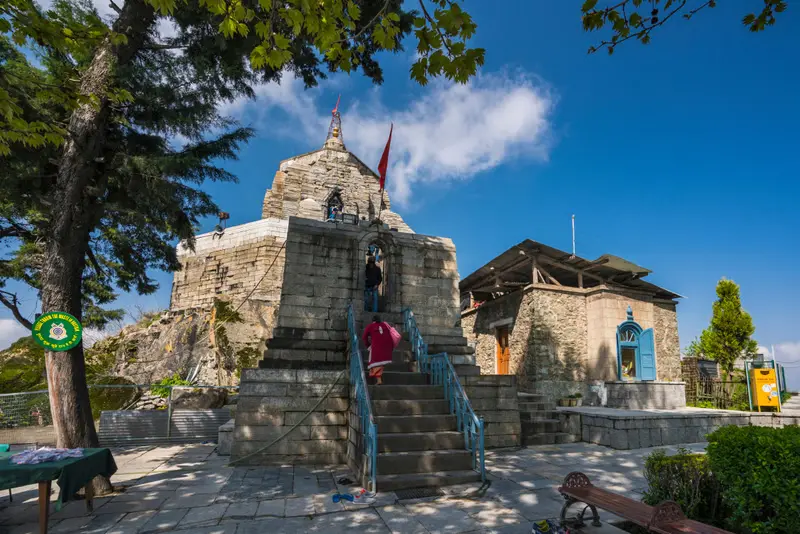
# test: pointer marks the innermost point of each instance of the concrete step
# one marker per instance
(407, 424)
(393, 378)
(540, 426)
(421, 441)
(390, 392)
(450, 349)
(467, 370)
(401, 463)
(410, 407)
(426, 480)
(525, 406)
(531, 397)
(553, 438)
(540, 414)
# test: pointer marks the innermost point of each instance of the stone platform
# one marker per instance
(634, 429)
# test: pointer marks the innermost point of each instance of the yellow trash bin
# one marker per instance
(764, 388)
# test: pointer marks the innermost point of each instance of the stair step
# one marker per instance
(410, 407)
(551, 438)
(394, 378)
(400, 392)
(426, 480)
(536, 406)
(421, 441)
(542, 414)
(467, 370)
(393, 424)
(400, 463)
(531, 397)
(540, 426)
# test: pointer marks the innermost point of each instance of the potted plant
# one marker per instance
(564, 401)
(577, 398)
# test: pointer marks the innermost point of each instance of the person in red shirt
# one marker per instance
(381, 339)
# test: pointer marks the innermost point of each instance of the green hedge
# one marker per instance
(686, 479)
(759, 471)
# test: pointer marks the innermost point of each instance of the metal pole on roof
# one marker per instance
(573, 235)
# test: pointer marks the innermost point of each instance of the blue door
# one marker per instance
(647, 355)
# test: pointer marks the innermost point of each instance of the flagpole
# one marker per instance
(380, 208)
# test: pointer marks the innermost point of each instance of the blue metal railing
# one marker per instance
(442, 373)
(358, 380)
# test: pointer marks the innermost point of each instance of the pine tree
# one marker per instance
(728, 337)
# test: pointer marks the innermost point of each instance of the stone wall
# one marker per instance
(547, 334)
(244, 266)
(495, 399)
(562, 338)
(324, 272)
(303, 185)
(646, 395)
(272, 401)
(668, 348)
(634, 431)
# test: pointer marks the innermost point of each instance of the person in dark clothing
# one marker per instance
(373, 279)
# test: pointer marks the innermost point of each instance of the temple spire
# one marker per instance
(335, 129)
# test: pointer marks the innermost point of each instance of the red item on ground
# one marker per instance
(379, 340)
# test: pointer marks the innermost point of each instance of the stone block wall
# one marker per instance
(563, 338)
(245, 262)
(646, 395)
(656, 430)
(303, 185)
(272, 401)
(668, 348)
(547, 334)
(324, 272)
(495, 399)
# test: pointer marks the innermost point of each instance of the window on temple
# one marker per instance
(334, 207)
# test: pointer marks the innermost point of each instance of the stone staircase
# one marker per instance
(540, 421)
(418, 444)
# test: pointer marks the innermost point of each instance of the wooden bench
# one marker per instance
(664, 518)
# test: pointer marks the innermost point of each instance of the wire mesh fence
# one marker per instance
(122, 412)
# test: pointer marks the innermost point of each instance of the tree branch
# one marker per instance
(436, 26)
(368, 25)
(100, 272)
(12, 305)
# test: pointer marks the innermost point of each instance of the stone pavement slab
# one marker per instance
(188, 489)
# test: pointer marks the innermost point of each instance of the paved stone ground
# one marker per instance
(190, 489)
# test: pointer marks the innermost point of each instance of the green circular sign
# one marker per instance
(57, 331)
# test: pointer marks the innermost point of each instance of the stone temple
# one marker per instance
(281, 286)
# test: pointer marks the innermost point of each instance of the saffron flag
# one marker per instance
(385, 159)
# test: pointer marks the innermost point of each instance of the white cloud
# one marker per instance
(788, 352)
(10, 331)
(451, 132)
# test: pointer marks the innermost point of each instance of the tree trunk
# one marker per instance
(68, 236)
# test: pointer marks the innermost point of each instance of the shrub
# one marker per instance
(701, 404)
(759, 469)
(162, 388)
(686, 479)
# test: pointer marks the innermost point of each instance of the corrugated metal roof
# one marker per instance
(513, 266)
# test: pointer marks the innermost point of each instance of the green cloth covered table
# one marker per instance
(72, 474)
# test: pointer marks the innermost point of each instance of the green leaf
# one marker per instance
(353, 10)
(588, 5)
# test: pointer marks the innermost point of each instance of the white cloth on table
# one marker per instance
(45, 454)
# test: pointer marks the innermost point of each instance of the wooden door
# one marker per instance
(503, 352)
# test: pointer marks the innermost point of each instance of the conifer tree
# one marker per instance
(93, 186)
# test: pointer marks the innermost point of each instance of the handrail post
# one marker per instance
(169, 413)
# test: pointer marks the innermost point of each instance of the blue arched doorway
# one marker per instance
(636, 354)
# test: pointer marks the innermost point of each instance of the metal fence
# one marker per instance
(123, 413)
(709, 393)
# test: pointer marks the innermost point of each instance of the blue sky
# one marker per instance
(679, 155)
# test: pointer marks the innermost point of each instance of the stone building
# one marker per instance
(563, 325)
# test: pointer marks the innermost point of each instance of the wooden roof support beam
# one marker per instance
(550, 276)
(561, 265)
